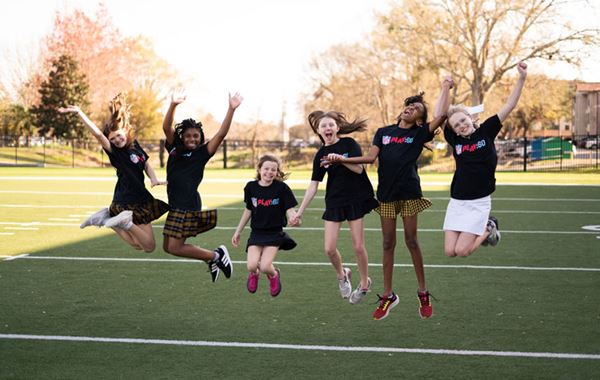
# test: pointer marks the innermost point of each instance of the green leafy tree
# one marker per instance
(65, 85)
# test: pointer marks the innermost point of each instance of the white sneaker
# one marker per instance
(359, 293)
(124, 220)
(345, 284)
(494, 237)
(96, 219)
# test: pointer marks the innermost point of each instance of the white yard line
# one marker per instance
(5, 205)
(293, 263)
(297, 229)
(203, 343)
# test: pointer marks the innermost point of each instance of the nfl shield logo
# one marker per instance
(458, 149)
(386, 140)
(254, 202)
(135, 159)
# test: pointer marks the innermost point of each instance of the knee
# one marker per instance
(266, 267)
(149, 248)
(252, 267)
(331, 251)
(411, 242)
(389, 244)
(170, 248)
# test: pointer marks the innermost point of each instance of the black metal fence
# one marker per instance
(539, 154)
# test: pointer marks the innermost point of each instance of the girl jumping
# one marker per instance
(133, 207)
(348, 197)
(468, 223)
(188, 155)
(268, 200)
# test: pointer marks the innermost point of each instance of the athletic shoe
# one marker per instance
(252, 283)
(96, 219)
(358, 294)
(494, 237)
(425, 309)
(224, 261)
(213, 269)
(124, 220)
(345, 284)
(385, 305)
(275, 283)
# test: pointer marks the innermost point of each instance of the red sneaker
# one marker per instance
(275, 284)
(252, 283)
(385, 305)
(425, 309)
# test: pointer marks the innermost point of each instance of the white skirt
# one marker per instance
(468, 215)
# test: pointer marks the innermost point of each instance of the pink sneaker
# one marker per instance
(252, 283)
(275, 283)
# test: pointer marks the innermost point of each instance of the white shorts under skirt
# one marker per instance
(468, 215)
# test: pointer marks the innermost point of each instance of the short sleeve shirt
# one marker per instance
(476, 160)
(344, 187)
(399, 149)
(130, 163)
(185, 170)
(268, 205)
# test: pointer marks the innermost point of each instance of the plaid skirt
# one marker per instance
(404, 207)
(183, 223)
(143, 213)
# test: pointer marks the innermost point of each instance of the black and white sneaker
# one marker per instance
(213, 269)
(224, 262)
(494, 237)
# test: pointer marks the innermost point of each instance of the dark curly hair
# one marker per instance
(415, 99)
(180, 128)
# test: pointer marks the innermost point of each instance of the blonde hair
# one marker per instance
(281, 176)
(119, 117)
(456, 108)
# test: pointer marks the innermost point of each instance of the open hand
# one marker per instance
(178, 97)
(235, 100)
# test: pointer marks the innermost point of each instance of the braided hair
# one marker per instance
(180, 128)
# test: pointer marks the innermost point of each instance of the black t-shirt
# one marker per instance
(185, 169)
(399, 149)
(268, 205)
(476, 160)
(130, 163)
(344, 187)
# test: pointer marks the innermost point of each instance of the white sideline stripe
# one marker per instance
(22, 228)
(63, 219)
(307, 209)
(204, 343)
(10, 258)
(7, 233)
(245, 180)
(240, 197)
(189, 261)
(369, 229)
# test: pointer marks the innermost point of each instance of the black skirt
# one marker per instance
(271, 239)
(350, 212)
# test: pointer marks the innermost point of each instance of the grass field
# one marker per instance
(79, 304)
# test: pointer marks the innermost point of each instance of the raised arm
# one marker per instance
(514, 96)
(176, 99)
(150, 173)
(96, 132)
(308, 197)
(235, 239)
(441, 107)
(217, 139)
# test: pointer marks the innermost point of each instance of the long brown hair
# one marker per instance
(281, 176)
(119, 117)
(346, 127)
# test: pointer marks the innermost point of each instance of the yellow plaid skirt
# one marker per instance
(183, 224)
(404, 207)
(143, 213)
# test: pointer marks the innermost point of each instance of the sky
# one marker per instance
(261, 48)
